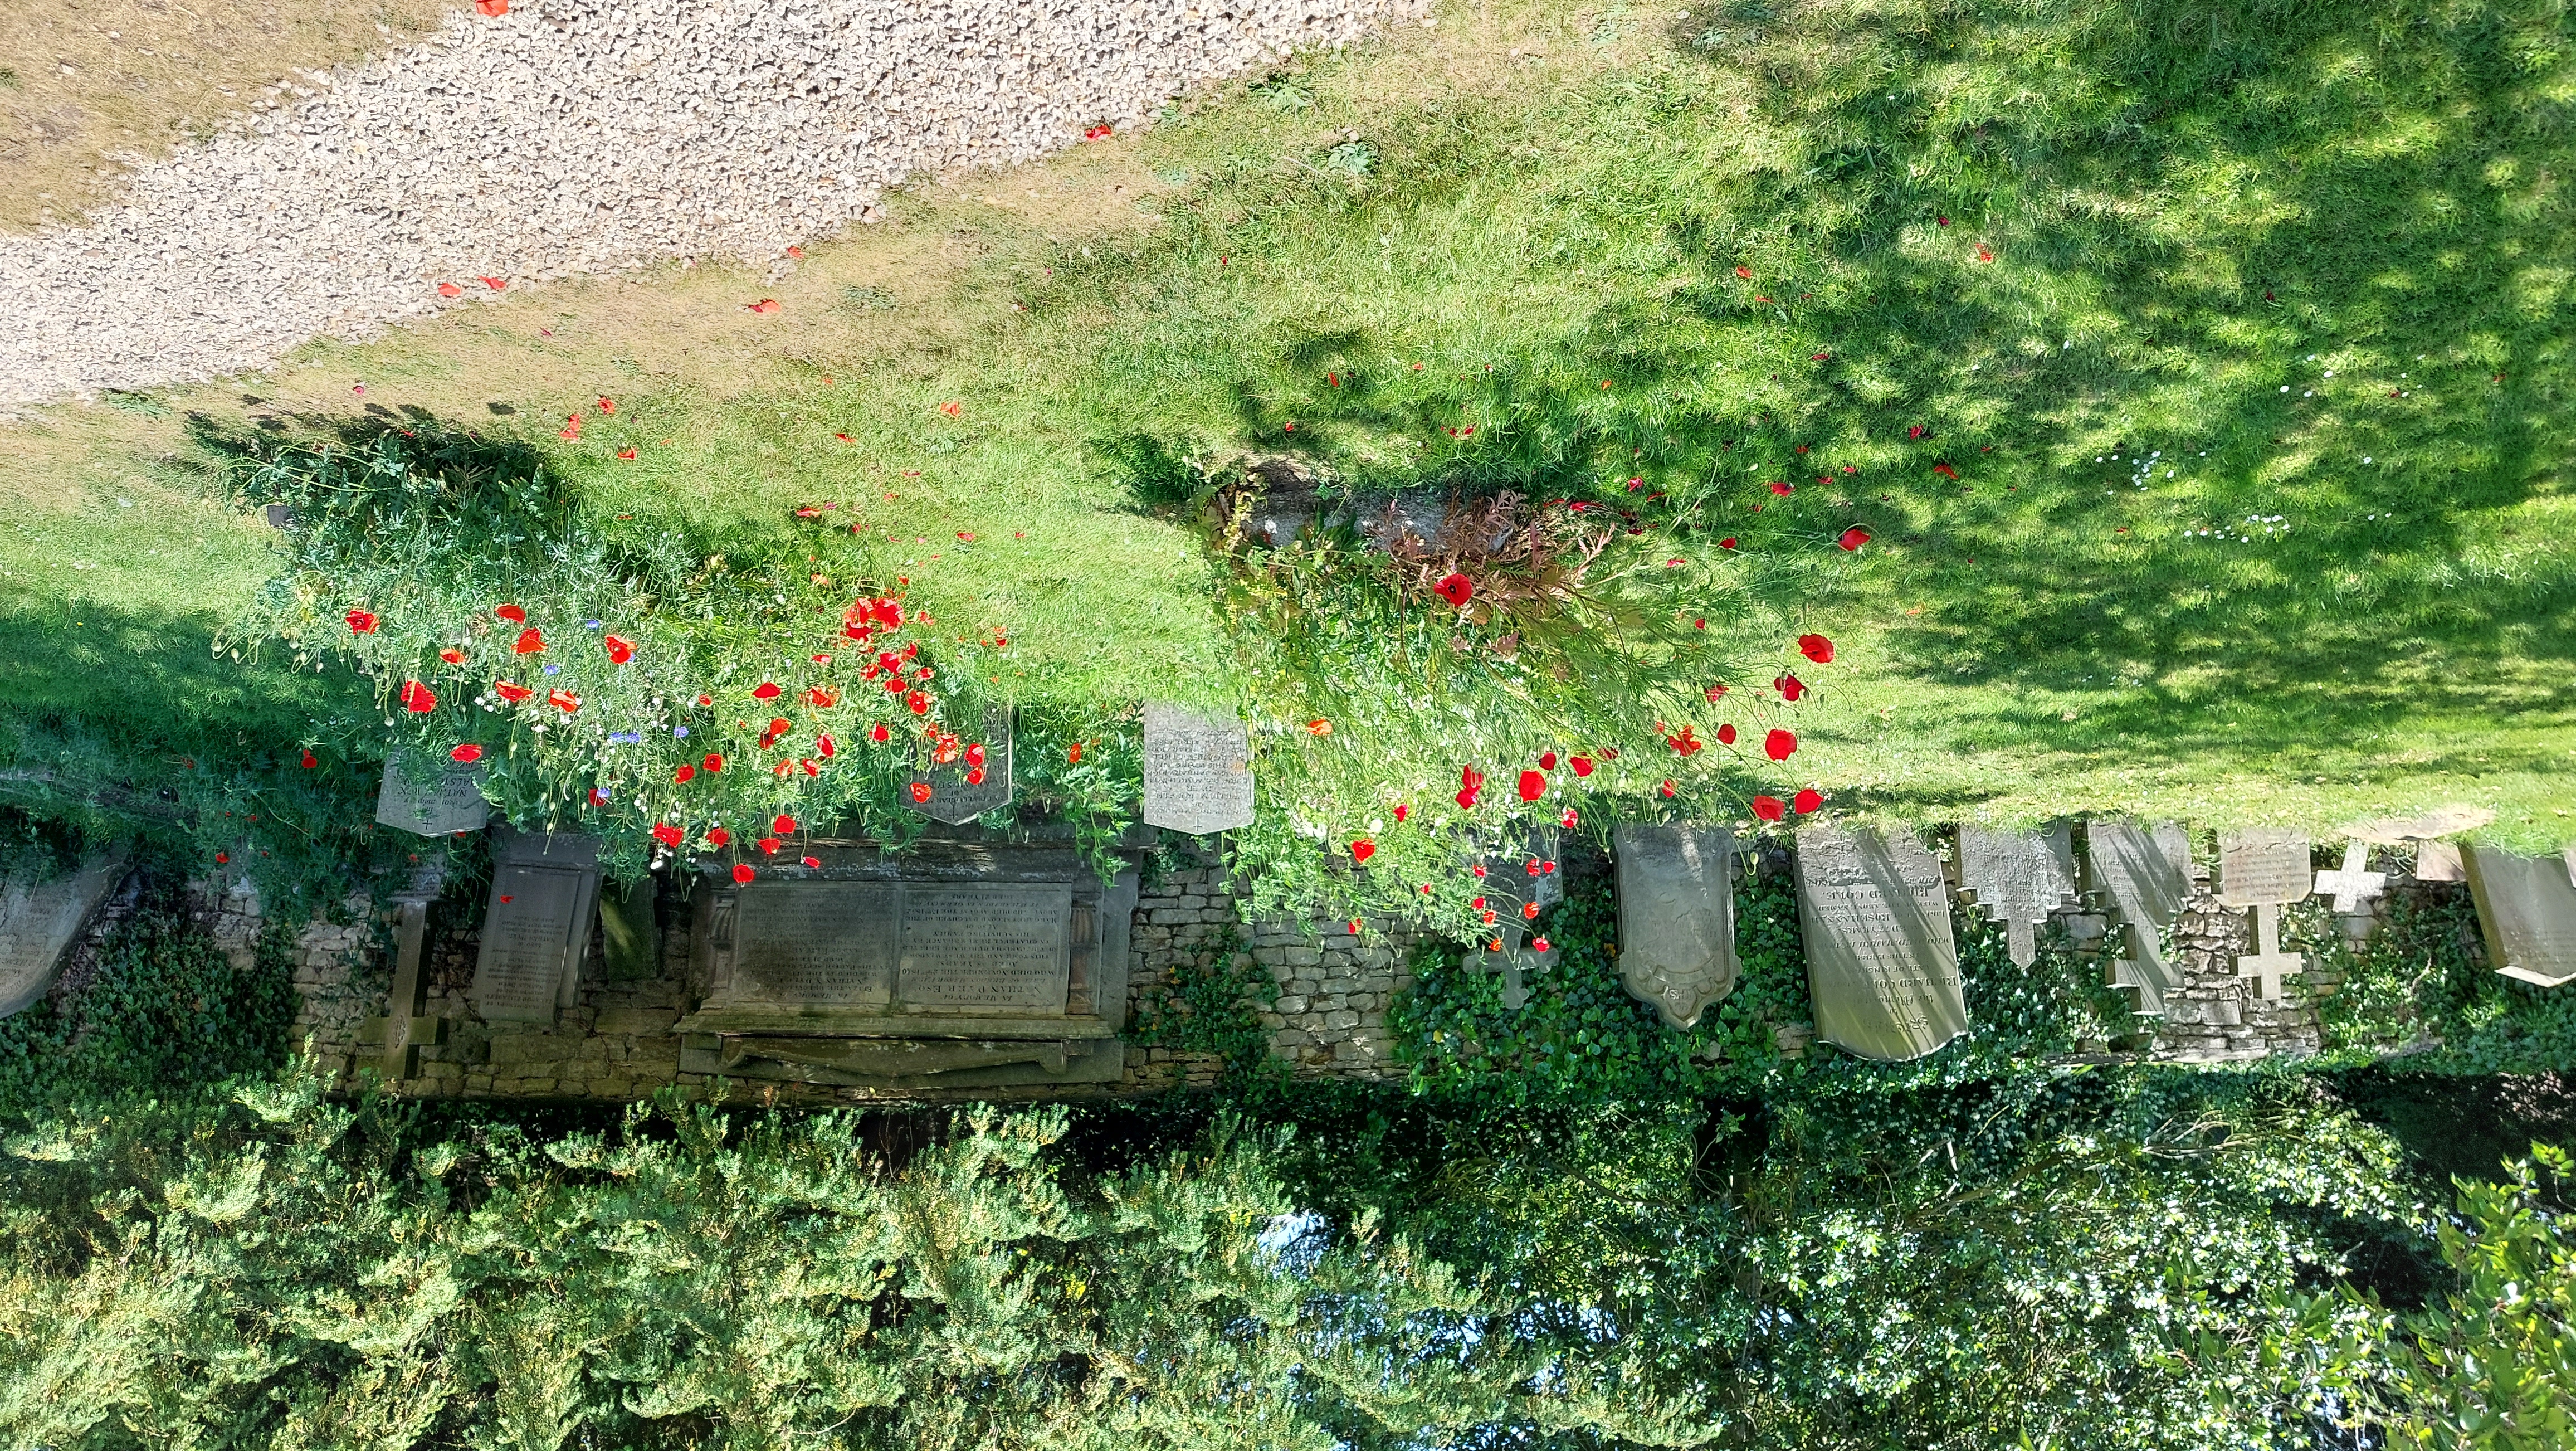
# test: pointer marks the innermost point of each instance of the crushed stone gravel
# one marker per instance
(575, 137)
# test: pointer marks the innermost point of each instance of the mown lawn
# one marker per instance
(2201, 382)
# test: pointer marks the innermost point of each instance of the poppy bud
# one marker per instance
(309, 762)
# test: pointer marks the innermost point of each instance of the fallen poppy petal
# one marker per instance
(765, 305)
(495, 283)
(810, 861)
(450, 289)
(1853, 538)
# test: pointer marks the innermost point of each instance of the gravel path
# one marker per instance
(573, 137)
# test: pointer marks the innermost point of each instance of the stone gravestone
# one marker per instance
(2020, 877)
(1882, 965)
(39, 922)
(1515, 962)
(536, 930)
(1524, 876)
(2266, 870)
(402, 1030)
(451, 804)
(961, 964)
(2148, 885)
(2527, 909)
(2439, 861)
(1198, 771)
(2354, 883)
(630, 930)
(1676, 916)
(954, 798)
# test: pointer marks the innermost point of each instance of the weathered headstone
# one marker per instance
(1882, 965)
(2439, 861)
(1527, 875)
(630, 930)
(1010, 963)
(961, 790)
(1676, 916)
(402, 1030)
(449, 804)
(1198, 771)
(536, 930)
(2527, 909)
(39, 921)
(2019, 877)
(2148, 883)
(2354, 883)
(2266, 870)
(1515, 962)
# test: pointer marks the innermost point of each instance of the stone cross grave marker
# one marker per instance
(39, 922)
(450, 805)
(402, 1030)
(955, 798)
(2148, 884)
(2354, 884)
(2020, 877)
(1882, 965)
(1676, 916)
(2266, 870)
(2527, 910)
(1514, 962)
(536, 929)
(1198, 771)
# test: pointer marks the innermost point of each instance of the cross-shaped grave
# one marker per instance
(2353, 884)
(402, 1030)
(2265, 870)
(1515, 962)
(2020, 877)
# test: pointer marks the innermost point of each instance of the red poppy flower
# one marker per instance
(1470, 781)
(1669, 793)
(718, 836)
(920, 792)
(712, 762)
(1568, 820)
(880, 733)
(361, 622)
(452, 657)
(1726, 543)
(1744, 272)
(1806, 801)
(531, 642)
(511, 693)
(810, 861)
(1362, 850)
(784, 825)
(1779, 745)
(1547, 761)
(222, 857)
(952, 409)
(766, 690)
(1945, 471)
(1533, 785)
(1726, 734)
(1983, 255)
(1401, 812)
(1582, 765)
(742, 872)
(667, 834)
(1789, 686)
(1688, 742)
(1457, 589)
(1769, 808)
(1816, 648)
(684, 775)
(706, 699)
(1779, 487)
(768, 845)
(919, 703)
(975, 777)
(620, 649)
(468, 753)
(826, 746)
(822, 695)
(512, 613)
(626, 453)
(1853, 538)
(417, 698)
(309, 762)
(1074, 755)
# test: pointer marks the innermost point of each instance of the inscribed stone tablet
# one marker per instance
(449, 805)
(2528, 909)
(2175, 842)
(1676, 917)
(2141, 878)
(38, 923)
(996, 948)
(2264, 867)
(1198, 771)
(2019, 877)
(816, 944)
(528, 942)
(953, 798)
(1882, 965)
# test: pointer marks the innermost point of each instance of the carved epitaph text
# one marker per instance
(1198, 771)
(450, 804)
(38, 922)
(2019, 877)
(1882, 965)
(536, 928)
(2527, 908)
(2263, 867)
(958, 793)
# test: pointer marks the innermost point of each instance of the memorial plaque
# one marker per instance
(986, 949)
(2019, 877)
(1882, 965)
(1676, 916)
(39, 921)
(2527, 908)
(2148, 885)
(2264, 867)
(953, 797)
(816, 944)
(536, 928)
(446, 802)
(1198, 771)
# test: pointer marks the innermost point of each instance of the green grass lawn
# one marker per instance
(2201, 382)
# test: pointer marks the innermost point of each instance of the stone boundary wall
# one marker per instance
(1327, 1019)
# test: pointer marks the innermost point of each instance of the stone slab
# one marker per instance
(2018, 878)
(2264, 867)
(2449, 820)
(1198, 771)
(39, 922)
(1882, 965)
(953, 798)
(446, 801)
(2527, 910)
(2439, 861)
(2149, 885)
(536, 925)
(1676, 916)
(1528, 874)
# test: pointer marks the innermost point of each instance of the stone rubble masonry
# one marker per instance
(1328, 1018)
